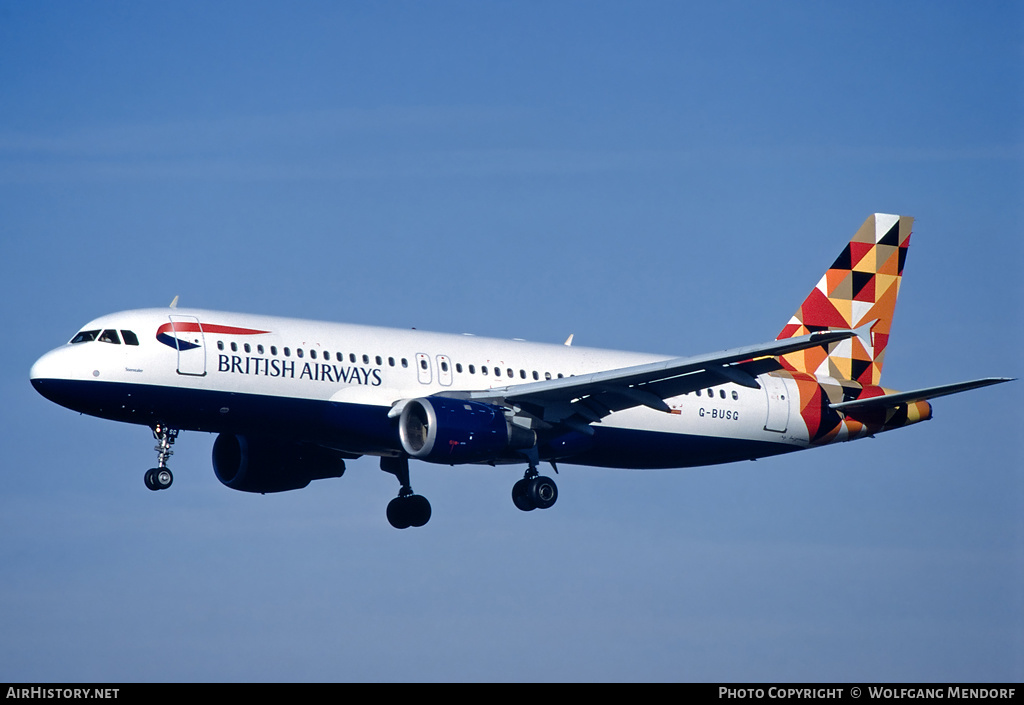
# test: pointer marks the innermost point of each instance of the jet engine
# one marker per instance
(258, 465)
(455, 431)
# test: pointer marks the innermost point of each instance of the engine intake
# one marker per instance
(258, 465)
(455, 431)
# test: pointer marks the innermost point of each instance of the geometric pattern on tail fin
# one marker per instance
(861, 286)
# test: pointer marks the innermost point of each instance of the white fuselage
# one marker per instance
(264, 370)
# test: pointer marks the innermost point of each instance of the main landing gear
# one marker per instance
(407, 509)
(534, 491)
(160, 477)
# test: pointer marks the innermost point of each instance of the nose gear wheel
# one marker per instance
(160, 477)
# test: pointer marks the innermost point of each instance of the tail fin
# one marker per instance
(859, 288)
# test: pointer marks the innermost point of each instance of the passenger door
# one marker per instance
(187, 332)
(778, 403)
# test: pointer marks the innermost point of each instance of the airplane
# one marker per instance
(292, 400)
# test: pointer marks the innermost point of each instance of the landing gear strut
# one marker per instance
(160, 477)
(534, 491)
(407, 509)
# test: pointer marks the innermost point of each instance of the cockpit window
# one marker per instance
(85, 336)
(106, 336)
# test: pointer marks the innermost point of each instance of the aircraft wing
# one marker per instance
(578, 401)
(891, 400)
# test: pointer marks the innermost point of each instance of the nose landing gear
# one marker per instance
(160, 477)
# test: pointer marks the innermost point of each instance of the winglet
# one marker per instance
(568, 341)
(174, 302)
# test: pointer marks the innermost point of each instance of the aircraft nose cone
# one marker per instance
(40, 386)
(43, 368)
(46, 373)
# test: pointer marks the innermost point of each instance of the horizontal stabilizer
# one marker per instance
(891, 400)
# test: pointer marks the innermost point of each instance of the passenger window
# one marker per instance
(220, 344)
(391, 362)
(423, 364)
(312, 354)
(247, 347)
(366, 359)
(472, 369)
(458, 367)
(85, 336)
(351, 357)
(109, 336)
(129, 337)
(547, 375)
(735, 395)
(510, 372)
(698, 392)
(497, 372)
(522, 373)
(259, 349)
(535, 375)
(287, 352)
(483, 369)
(298, 351)
(405, 363)
(721, 393)
(378, 360)
(444, 366)
(234, 347)
(273, 350)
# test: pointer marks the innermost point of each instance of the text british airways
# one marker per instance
(292, 369)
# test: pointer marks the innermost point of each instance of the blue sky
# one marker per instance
(658, 176)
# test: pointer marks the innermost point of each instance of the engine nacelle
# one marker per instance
(258, 465)
(455, 431)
